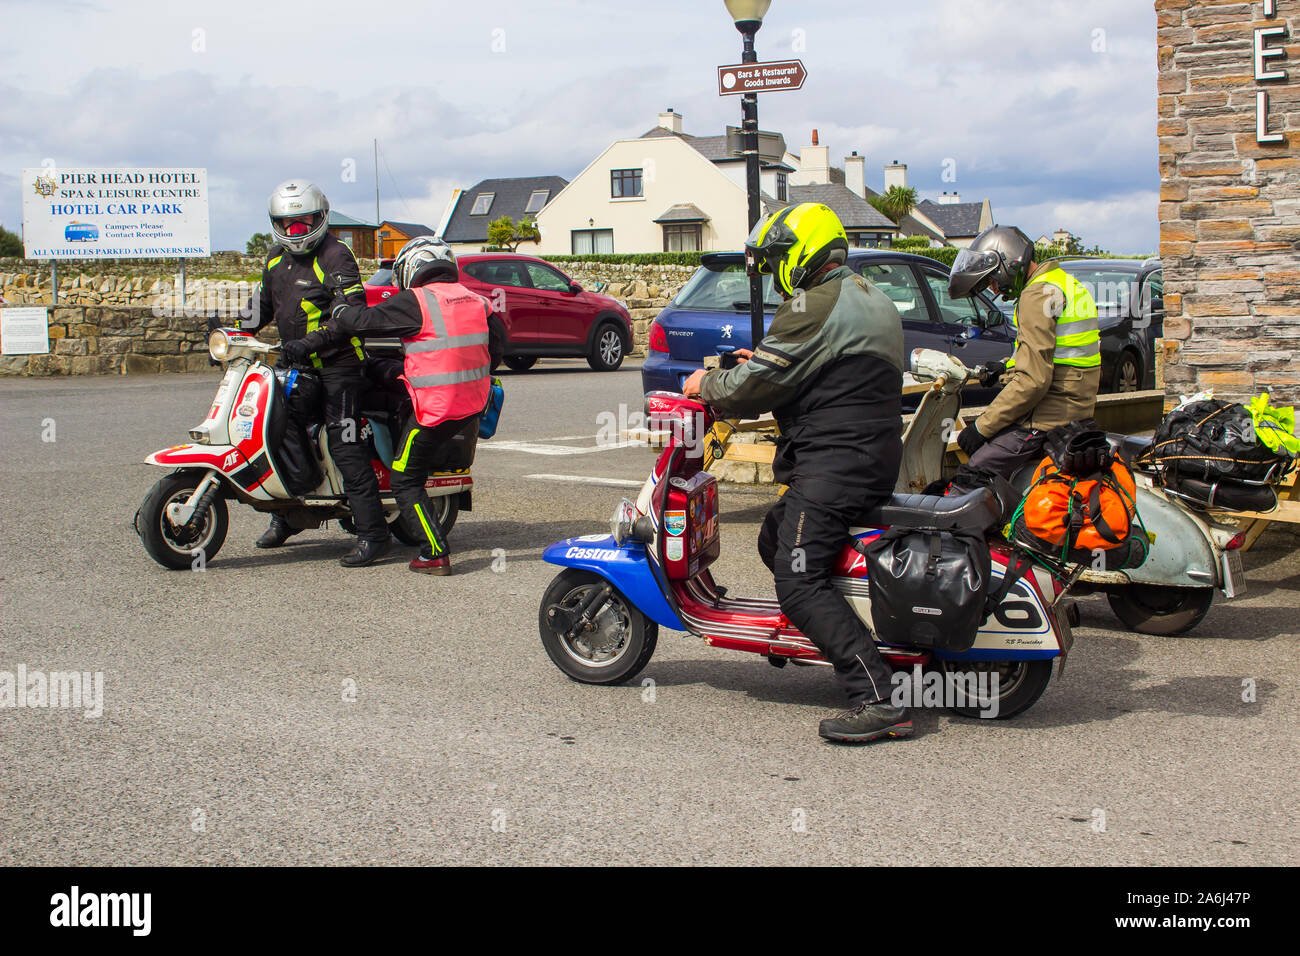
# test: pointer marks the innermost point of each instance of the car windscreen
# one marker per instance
(381, 277)
(1112, 289)
(724, 289)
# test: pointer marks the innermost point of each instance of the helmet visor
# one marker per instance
(768, 244)
(971, 271)
(296, 227)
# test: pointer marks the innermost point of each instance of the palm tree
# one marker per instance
(896, 202)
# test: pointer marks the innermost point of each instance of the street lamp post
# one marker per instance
(748, 15)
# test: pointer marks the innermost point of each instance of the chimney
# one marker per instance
(814, 164)
(855, 174)
(895, 175)
(670, 121)
(950, 199)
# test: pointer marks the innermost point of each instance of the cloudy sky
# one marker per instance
(1046, 107)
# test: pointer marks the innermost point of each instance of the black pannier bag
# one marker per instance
(928, 588)
(1211, 442)
(290, 445)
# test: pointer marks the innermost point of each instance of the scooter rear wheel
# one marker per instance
(1156, 609)
(1020, 684)
(614, 651)
(173, 547)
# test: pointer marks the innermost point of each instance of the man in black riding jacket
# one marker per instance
(831, 370)
(304, 271)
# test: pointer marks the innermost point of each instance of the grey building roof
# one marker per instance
(412, 230)
(510, 199)
(958, 220)
(337, 218)
(712, 148)
(854, 212)
(911, 226)
(683, 212)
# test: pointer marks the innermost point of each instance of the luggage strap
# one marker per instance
(1015, 571)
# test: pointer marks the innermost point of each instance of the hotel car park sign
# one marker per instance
(156, 213)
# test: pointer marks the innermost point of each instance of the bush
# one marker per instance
(11, 245)
(910, 243)
(634, 259)
(946, 254)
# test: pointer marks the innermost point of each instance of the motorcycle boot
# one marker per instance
(867, 722)
(365, 552)
(276, 534)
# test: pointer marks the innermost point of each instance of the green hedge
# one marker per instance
(635, 259)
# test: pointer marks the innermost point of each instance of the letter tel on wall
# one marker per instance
(1262, 53)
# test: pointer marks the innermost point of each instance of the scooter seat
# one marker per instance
(974, 512)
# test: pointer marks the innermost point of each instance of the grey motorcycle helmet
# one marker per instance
(423, 260)
(291, 200)
(1000, 254)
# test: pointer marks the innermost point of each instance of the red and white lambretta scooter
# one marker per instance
(599, 619)
(184, 519)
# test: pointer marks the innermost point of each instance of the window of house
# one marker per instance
(587, 242)
(782, 187)
(624, 183)
(482, 204)
(537, 200)
(683, 237)
(345, 237)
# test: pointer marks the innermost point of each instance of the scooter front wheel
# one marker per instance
(175, 547)
(1019, 685)
(615, 643)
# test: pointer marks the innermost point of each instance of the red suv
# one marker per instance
(545, 312)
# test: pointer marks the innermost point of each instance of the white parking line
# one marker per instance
(541, 448)
(585, 480)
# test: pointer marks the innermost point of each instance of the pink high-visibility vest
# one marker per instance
(448, 367)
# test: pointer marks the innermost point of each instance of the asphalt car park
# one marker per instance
(275, 708)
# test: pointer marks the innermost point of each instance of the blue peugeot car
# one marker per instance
(711, 315)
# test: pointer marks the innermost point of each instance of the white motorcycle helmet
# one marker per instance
(424, 260)
(294, 200)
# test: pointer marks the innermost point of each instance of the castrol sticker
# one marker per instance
(675, 523)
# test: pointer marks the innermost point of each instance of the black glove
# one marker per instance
(296, 352)
(970, 440)
(990, 372)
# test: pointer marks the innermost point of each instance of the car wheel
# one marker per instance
(607, 349)
(1128, 374)
(521, 363)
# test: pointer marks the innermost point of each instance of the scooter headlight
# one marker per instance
(219, 345)
(620, 526)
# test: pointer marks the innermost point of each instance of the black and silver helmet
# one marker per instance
(1000, 254)
(291, 202)
(424, 260)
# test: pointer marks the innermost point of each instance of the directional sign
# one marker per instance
(761, 77)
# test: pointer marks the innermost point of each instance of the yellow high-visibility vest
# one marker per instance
(1078, 334)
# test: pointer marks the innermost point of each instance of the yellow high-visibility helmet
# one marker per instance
(793, 245)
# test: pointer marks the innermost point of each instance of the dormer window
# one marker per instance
(537, 200)
(482, 204)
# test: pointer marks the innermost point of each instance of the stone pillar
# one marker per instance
(1230, 195)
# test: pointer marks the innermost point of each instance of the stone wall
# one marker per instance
(1230, 206)
(121, 310)
(87, 340)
